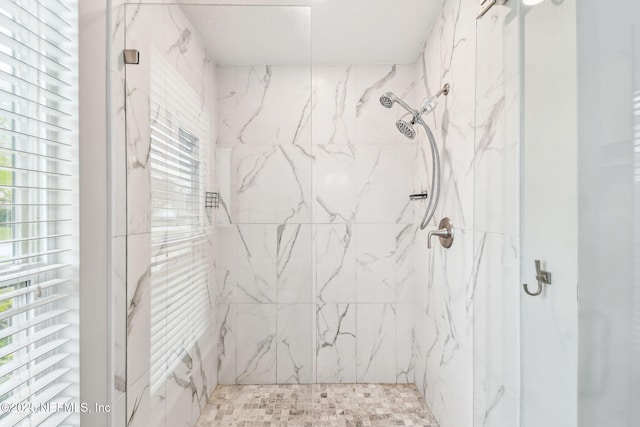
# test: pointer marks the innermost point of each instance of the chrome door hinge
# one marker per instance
(486, 5)
(131, 56)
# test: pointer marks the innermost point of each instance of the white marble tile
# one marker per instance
(225, 262)
(334, 181)
(256, 344)
(138, 306)
(294, 273)
(497, 175)
(334, 104)
(138, 402)
(223, 182)
(198, 388)
(496, 311)
(335, 263)
(205, 367)
(118, 414)
(449, 389)
(405, 343)
(253, 274)
(450, 56)
(270, 184)
(144, 35)
(158, 405)
(294, 189)
(424, 345)
(227, 343)
(374, 123)
(495, 406)
(450, 291)
(264, 105)
(184, 50)
(335, 343)
(376, 343)
(444, 356)
(295, 344)
(180, 390)
(254, 176)
(385, 263)
(498, 47)
(384, 181)
(118, 317)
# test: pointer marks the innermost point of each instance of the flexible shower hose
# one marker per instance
(435, 177)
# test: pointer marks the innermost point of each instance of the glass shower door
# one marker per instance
(549, 216)
(219, 209)
(525, 346)
(170, 125)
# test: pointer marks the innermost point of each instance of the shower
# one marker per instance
(407, 129)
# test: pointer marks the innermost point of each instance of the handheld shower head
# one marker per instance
(406, 128)
(388, 99)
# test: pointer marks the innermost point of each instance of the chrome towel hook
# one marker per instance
(543, 278)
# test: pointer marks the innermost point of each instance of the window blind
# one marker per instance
(38, 209)
(179, 225)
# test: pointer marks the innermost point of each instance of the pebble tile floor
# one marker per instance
(353, 405)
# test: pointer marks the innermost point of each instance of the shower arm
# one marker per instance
(414, 113)
(444, 91)
(417, 113)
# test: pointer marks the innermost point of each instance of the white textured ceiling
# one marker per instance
(325, 31)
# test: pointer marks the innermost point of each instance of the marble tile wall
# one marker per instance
(316, 240)
(188, 388)
(467, 310)
(444, 297)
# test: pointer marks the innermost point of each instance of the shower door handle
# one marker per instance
(543, 278)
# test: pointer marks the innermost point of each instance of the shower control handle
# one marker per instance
(445, 232)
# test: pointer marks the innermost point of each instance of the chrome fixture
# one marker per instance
(445, 233)
(418, 196)
(428, 104)
(486, 5)
(406, 128)
(543, 278)
(131, 56)
(387, 100)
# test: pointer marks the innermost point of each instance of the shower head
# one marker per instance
(388, 99)
(406, 128)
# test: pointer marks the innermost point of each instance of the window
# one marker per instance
(38, 208)
(179, 264)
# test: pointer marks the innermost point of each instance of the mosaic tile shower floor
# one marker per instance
(353, 405)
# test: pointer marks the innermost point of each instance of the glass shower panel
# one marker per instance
(214, 113)
(609, 183)
(548, 215)
(170, 131)
(496, 177)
